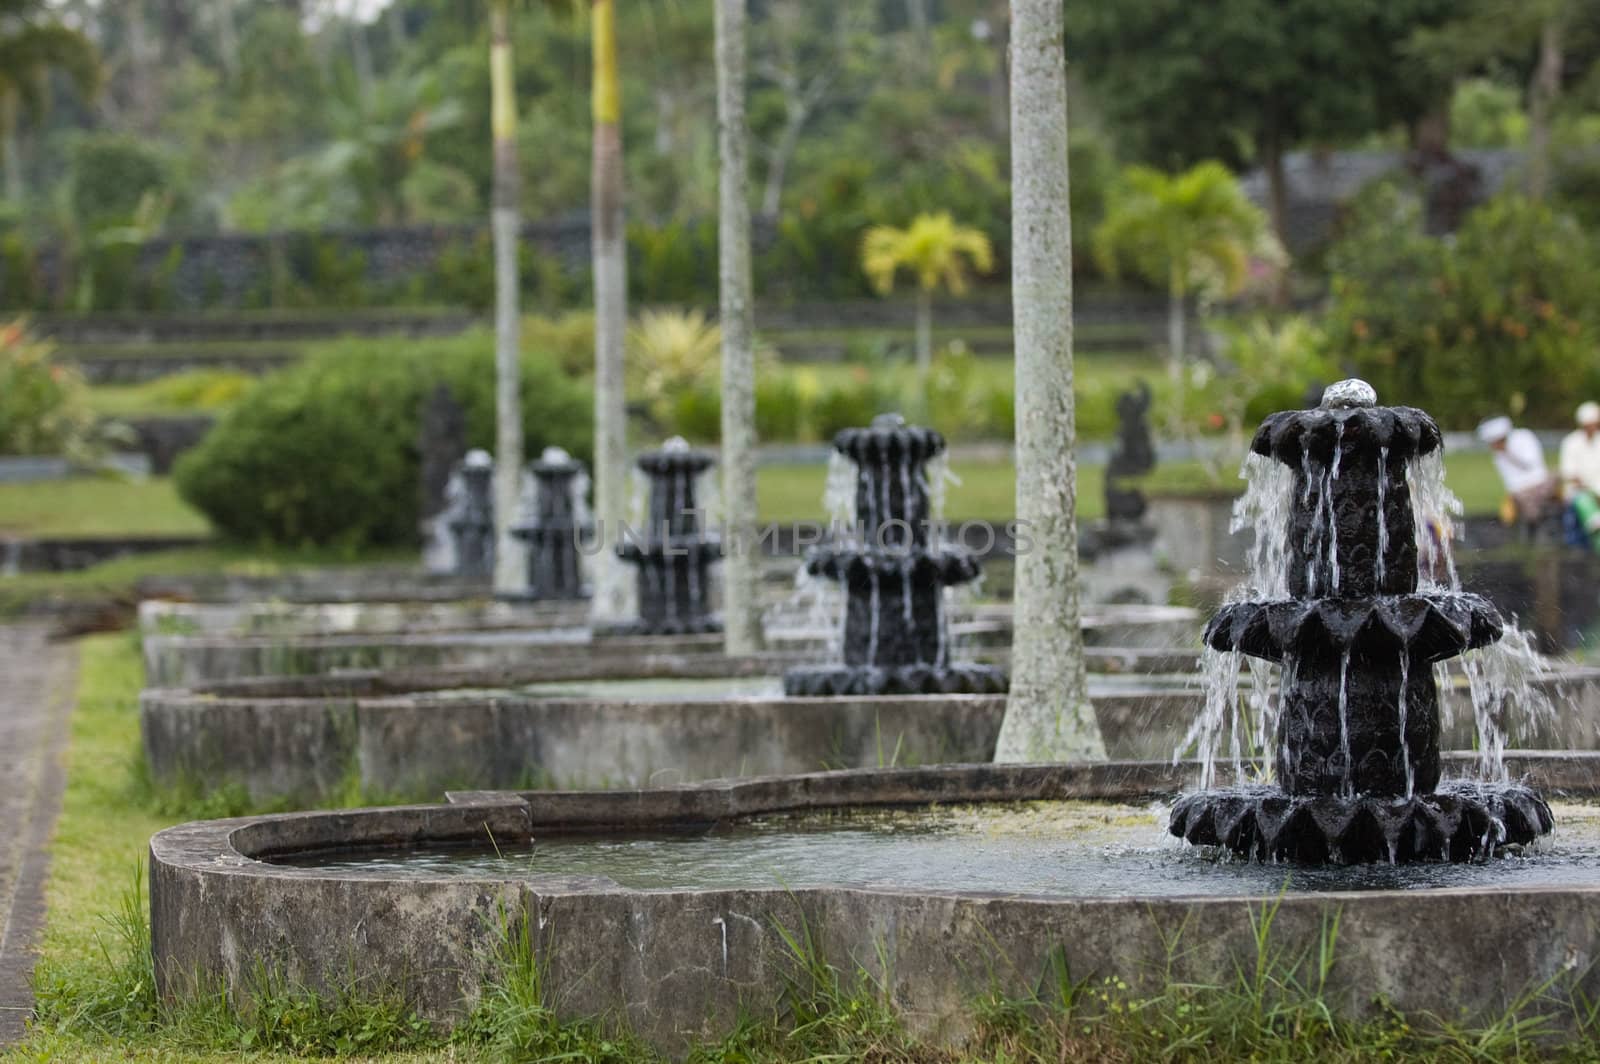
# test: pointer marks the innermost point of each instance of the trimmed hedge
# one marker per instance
(325, 452)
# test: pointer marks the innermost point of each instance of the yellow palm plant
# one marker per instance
(938, 253)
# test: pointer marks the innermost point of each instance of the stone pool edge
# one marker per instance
(680, 965)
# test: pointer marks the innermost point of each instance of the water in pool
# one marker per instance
(1077, 849)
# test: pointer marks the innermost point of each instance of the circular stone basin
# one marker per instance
(672, 911)
(1055, 849)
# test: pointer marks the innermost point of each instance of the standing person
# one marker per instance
(1580, 476)
(1519, 459)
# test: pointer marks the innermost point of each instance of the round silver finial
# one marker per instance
(554, 455)
(1349, 394)
(675, 443)
(478, 459)
(889, 421)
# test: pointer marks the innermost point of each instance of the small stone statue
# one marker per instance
(675, 555)
(552, 519)
(895, 639)
(1134, 455)
(469, 514)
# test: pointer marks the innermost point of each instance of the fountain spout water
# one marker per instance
(894, 580)
(1357, 748)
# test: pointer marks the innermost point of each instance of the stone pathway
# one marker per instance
(36, 691)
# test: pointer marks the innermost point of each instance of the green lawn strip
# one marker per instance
(118, 578)
(987, 490)
(91, 992)
(97, 506)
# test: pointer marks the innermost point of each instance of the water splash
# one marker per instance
(1220, 712)
(1264, 510)
(1333, 517)
(1435, 508)
(939, 477)
(1503, 685)
(1383, 514)
(1346, 784)
(1405, 744)
(839, 491)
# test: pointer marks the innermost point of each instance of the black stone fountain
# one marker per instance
(550, 525)
(674, 552)
(1357, 747)
(469, 514)
(895, 636)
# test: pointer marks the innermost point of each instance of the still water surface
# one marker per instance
(1065, 849)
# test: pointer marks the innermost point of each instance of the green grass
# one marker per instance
(194, 392)
(117, 579)
(98, 506)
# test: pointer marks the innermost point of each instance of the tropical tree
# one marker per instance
(509, 563)
(939, 254)
(609, 246)
(741, 583)
(1248, 80)
(1048, 713)
(32, 44)
(1193, 232)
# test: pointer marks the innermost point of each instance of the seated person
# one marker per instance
(1519, 459)
(1580, 476)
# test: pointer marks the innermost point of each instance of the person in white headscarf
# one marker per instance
(1580, 476)
(1519, 459)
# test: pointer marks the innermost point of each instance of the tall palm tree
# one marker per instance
(741, 568)
(32, 44)
(1048, 713)
(1187, 232)
(938, 253)
(610, 301)
(509, 563)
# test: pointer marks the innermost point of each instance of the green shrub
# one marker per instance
(1503, 317)
(326, 452)
(850, 405)
(43, 404)
(780, 406)
(697, 415)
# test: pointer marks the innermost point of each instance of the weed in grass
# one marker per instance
(514, 1019)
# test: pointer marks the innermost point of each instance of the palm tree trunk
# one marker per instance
(1542, 95)
(11, 145)
(610, 309)
(924, 344)
(1177, 346)
(1048, 713)
(741, 566)
(510, 563)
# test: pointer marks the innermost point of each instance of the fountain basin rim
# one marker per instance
(237, 846)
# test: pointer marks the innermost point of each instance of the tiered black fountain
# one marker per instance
(1357, 747)
(674, 553)
(550, 525)
(470, 514)
(895, 636)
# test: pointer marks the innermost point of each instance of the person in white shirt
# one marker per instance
(1580, 475)
(1519, 459)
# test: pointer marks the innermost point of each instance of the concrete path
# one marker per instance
(37, 681)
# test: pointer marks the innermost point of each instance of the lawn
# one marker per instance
(97, 855)
(97, 506)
